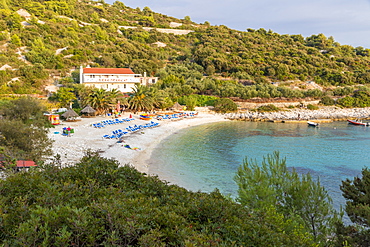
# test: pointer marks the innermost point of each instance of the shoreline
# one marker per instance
(168, 128)
(331, 113)
(86, 137)
(324, 113)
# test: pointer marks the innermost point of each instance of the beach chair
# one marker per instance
(98, 125)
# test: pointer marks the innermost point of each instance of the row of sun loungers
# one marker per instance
(116, 134)
(176, 116)
(104, 123)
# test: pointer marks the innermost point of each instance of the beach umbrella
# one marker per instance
(70, 113)
(88, 109)
(177, 106)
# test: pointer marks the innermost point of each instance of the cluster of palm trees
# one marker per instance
(142, 99)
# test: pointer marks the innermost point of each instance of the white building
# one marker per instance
(122, 79)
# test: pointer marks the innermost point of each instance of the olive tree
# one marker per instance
(225, 105)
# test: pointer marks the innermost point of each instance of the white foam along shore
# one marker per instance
(86, 137)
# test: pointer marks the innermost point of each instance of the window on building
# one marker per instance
(124, 85)
(92, 76)
(106, 76)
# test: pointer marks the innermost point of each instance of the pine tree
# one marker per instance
(357, 194)
(298, 197)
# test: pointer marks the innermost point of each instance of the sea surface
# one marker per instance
(206, 157)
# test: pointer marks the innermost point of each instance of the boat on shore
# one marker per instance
(357, 122)
(146, 116)
(313, 124)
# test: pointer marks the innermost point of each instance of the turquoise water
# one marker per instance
(206, 157)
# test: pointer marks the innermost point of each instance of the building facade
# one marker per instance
(122, 79)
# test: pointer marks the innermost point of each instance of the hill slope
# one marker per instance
(49, 39)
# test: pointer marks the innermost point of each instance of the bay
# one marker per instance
(206, 157)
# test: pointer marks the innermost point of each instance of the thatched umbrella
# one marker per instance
(70, 114)
(177, 107)
(88, 110)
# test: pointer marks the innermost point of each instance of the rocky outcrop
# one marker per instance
(332, 113)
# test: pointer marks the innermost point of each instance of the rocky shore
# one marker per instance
(303, 114)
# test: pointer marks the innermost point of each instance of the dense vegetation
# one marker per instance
(357, 193)
(299, 198)
(97, 203)
(23, 130)
(60, 36)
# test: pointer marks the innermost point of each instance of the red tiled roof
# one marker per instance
(25, 163)
(107, 71)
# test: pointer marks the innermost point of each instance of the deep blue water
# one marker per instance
(206, 157)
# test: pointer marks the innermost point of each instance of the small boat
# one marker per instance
(313, 124)
(146, 117)
(355, 122)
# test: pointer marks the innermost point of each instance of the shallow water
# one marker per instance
(206, 157)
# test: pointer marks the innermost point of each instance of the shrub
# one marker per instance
(312, 107)
(225, 105)
(326, 100)
(268, 108)
(346, 101)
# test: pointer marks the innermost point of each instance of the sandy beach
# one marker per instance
(86, 137)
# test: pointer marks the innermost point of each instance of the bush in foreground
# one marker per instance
(98, 203)
(297, 197)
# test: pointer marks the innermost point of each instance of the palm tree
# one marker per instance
(101, 100)
(161, 99)
(140, 99)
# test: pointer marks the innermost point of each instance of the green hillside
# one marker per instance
(60, 36)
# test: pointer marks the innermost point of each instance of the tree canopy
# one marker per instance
(23, 131)
(98, 202)
(298, 198)
(61, 36)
